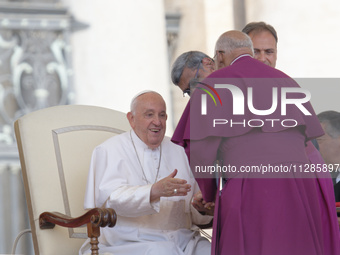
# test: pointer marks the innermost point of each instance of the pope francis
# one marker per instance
(146, 179)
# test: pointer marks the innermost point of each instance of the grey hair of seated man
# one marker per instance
(331, 120)
(190, 59)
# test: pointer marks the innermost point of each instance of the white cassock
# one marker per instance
(121, 180)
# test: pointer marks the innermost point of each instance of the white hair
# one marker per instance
(134, 101)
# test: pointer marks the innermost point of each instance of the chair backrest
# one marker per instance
(55, 146)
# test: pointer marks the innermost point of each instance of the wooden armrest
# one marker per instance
(99, 217)
(94, 218)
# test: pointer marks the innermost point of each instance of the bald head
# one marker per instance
(230, 45)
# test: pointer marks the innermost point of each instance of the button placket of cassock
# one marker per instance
(150, 164)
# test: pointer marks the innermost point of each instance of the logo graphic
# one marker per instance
(213, 90)
(204, 97)
(239, 99)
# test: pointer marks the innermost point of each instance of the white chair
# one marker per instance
(55, 146)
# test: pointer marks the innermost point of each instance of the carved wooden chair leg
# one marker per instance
(104, 217)
(93, 233)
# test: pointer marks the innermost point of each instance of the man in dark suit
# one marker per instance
(329, 145)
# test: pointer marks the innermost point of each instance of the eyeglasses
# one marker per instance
(187, 91)
(219, 51)
(193, 82)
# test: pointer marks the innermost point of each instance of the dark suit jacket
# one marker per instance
(337, 192)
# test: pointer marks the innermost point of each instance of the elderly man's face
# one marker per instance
(329, 148)
(265, 49)
(149, 120)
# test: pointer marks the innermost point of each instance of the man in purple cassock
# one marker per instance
(273, 200)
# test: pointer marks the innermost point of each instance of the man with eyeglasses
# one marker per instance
(273, 215)
(195, 64)
(189, 67)
(187, 70)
